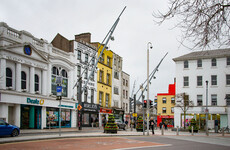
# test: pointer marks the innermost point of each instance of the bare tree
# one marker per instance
(182, 101)
(205, 23)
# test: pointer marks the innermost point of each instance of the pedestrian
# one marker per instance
(104, 123)
(152, 123)
(161, 124)
(216, 126)
(126, 123)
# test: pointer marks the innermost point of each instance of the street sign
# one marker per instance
(59, 90)
(79, 107)
(134, 114)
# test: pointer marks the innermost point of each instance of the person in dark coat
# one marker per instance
(104, 123)
(151, 124)
(160, 125)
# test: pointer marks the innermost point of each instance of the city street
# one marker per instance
(132, 142)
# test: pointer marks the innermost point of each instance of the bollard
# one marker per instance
(192, 131)
(162, 131)
(222, 131)
(177, 130)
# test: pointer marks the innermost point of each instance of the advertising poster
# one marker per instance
(63, 116)
(67, 116)
(55, 116)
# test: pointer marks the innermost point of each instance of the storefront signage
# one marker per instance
(90, 107)
(166, 116)
(104, 110)
(35, 101)
(67, 106)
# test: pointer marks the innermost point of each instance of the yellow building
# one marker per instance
(165, 107)
(104, 78)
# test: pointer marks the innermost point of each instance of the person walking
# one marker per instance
(104, 123)
(152, 123)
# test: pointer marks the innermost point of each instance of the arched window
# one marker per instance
(8, 77)
(23, 80)
(214, 62)
(36, 82)
(55, 74)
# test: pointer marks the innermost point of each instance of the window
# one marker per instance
(126, 94)
(92, 96)
(228, 60)
(123, 93)
(163, 110)
(8, 77)
(164, 100)
(185, 64)
(93, 60)
(186, 81)
(214, 79)
(86, 58)
(173, 100)
(116, 75)
(36, 82)
(101, 76)
(123, 81)
(227, 99)
(116, 90)
(199, 63)
(92, 76)
(214, 62)
(79, 55)
(115, 61)
(23, 80)
(100, 98)
(108, 61)
(108, 79)
(172, 110)
(107, 100)
(64, 84)
(126, 82)
(78, 71)
(199, 100)
(101, 58)
(126, 107)
(199, 81)
(86, 73)
(214, 99)
(228, 79)
(85, 95)
(116, 103)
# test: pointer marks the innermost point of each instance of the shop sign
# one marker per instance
(67, 106)
(166, 116)
(35, 101)
(90, 107)
(104, 110)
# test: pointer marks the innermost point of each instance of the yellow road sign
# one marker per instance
(79, 107)
(134, 114)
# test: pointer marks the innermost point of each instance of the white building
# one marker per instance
(192, 72)
(29, 67)
(125, 94)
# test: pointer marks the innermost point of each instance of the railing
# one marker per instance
(13, 34)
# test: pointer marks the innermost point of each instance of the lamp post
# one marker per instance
(142, 95)
(148, 45)
(206, 110)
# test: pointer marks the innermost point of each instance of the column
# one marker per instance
(31, 89)
(44, 82)
(70, 84)
(3, 73)
(31, 116)
(17, 115)
(48, 79)
(4, 111)
(18, 76)
(43, 117)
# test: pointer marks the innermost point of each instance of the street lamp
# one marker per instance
(206, 110)
(148, 45)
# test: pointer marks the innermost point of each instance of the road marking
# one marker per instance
(143, 147)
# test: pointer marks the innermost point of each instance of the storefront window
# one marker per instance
(52, 117)
(85, 118)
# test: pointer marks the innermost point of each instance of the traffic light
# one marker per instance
(145, 104)
(151, 104)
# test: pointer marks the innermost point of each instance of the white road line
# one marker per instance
(143, 147)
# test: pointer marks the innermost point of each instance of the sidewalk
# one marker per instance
(32, 134)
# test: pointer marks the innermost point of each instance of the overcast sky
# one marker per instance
(45, 18)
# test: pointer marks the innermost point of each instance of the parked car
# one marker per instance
(120, 124)
(7, 129)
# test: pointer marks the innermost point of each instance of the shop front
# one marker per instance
(167, 119)
(118, 114)
(104, 113)
(90, 114)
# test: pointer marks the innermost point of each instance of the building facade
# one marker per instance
(165, 106)
(29, 67)
(192, 72)
(125, 95)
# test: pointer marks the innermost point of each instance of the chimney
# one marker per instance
(86, 37)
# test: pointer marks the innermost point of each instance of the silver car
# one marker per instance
(120, 124)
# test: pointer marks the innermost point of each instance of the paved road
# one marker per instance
(121, 143)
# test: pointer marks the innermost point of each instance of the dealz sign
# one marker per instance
(35, 101)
